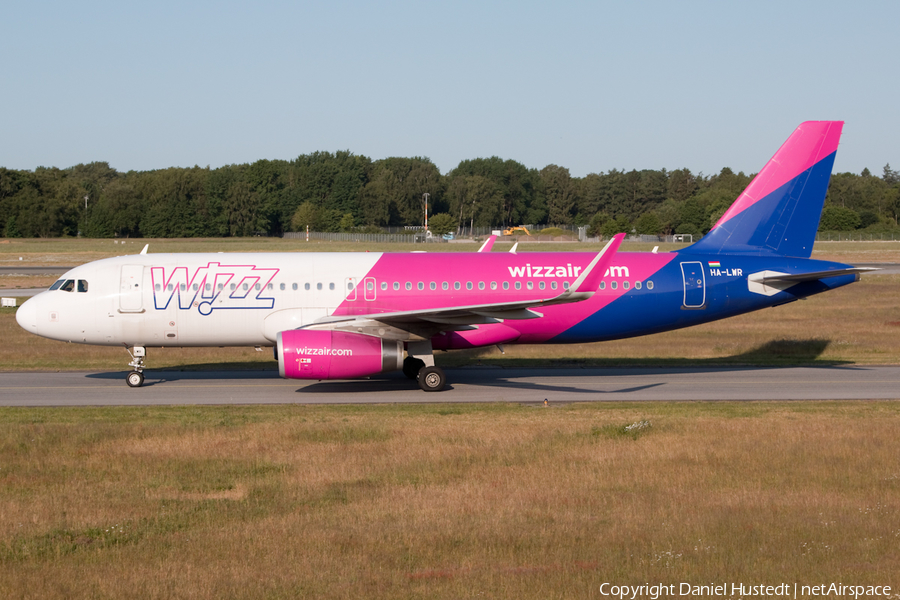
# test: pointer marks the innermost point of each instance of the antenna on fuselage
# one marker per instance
(144, 251)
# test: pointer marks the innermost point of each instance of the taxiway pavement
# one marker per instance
(468, 384)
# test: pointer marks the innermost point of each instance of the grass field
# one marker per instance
(493, 501)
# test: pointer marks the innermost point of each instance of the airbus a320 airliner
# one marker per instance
(349, 315)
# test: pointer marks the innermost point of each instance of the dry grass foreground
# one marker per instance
(494, 501)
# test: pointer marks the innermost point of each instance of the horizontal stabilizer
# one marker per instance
(769, 283)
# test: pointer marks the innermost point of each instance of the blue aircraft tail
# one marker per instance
(779, 211)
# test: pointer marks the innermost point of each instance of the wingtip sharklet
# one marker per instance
(488, 244)
(589, 280)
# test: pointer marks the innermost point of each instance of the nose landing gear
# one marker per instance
(136, 377)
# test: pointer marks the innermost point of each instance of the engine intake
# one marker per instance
(316, 354)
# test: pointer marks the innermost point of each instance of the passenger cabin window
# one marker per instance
(331, 286)
(505, 285)
(318, 286)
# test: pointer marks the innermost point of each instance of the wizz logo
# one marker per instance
(213, 287)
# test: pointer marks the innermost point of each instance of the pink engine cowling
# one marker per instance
(312, 354)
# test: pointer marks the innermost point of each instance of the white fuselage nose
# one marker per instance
(26, 316)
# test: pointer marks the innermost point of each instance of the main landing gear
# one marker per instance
(136, 377)
(419, 366)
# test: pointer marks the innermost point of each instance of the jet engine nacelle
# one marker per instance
(315, 354)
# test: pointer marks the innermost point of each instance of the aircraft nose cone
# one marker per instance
(26, 316)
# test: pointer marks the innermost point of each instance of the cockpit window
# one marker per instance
(56, 284)
(68, 285)
(82, 285)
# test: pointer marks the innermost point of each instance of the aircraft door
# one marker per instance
(369, 283)
(130, 289)
(694, 284)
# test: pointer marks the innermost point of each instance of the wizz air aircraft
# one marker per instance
(350, 315)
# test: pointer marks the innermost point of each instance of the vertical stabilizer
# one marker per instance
(779, 211)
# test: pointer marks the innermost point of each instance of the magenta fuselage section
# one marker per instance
(409, 282)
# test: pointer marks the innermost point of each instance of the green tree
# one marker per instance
(648, 224)
(596, 223)
(440, 224)
(559, 192)
(838, 218)
(347, 222)
(304, 216)
(613, 226)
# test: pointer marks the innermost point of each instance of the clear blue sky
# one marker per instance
(591, 86)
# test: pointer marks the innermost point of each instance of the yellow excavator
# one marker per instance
(513, 230)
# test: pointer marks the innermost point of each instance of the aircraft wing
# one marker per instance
(451, 317)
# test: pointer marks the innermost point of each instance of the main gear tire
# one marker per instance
(432, 379)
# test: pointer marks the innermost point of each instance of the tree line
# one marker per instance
(347, 192)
